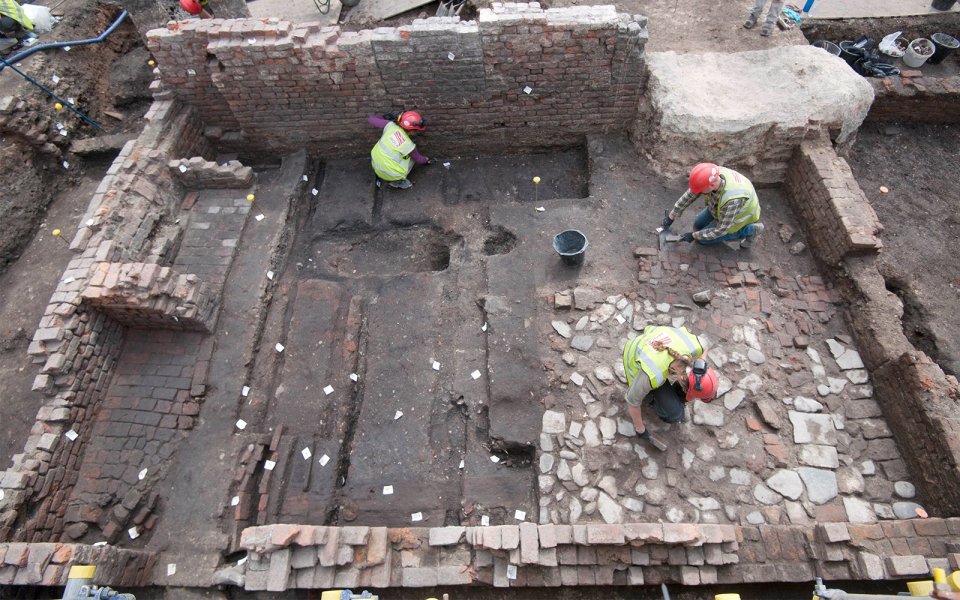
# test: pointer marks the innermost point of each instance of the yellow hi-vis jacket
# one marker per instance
(391, 155)
(11, 8)
(639, 355)
(737, 186)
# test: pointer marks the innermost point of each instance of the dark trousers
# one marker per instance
(666, 402)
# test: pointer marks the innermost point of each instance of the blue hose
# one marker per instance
(96, 40)
(4, 63)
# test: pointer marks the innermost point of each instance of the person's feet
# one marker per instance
(766, 31)
(403, 184)
(748, 242)
(751, 22)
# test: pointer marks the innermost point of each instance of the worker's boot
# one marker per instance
(767, 30)
(751, 21)
(758, 228)
(403, 184)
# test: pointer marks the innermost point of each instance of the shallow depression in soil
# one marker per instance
(414, 249)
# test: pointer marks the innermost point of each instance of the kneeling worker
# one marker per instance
(732, 211)
(14, 23)
(661, 364)
(394, 154)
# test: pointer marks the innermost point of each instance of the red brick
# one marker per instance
(753, 424)
(932, 527)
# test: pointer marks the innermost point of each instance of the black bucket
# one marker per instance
(943, 5)
(944, 44)
(571, 245)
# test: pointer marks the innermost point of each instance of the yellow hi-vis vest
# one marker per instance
(11, 8)
(639, 355)
(391, 155)
(737, 186)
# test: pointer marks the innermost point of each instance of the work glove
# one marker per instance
(644, 436)
(667, 221)
(687, 237)
(429, 161)
(389, 116)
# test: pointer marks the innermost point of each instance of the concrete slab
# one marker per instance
(369, 11)
(297, 11)
(872, 9)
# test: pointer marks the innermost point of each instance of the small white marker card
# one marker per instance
(269, 465)
(416, 517)
(387, 490)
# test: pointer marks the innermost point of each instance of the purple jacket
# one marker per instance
(380, 123)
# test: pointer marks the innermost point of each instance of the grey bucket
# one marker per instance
(828, 46)
(571, 245)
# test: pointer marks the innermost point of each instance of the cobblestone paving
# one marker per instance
(797, 438)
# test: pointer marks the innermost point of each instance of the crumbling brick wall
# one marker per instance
(282, 557)
(919, 402)
(48, 564)
(519, 76)
(76, 345)
(913, 98)
(839, 216)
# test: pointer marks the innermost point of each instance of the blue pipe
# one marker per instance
(96, 40)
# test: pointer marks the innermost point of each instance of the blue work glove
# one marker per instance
(687, 237)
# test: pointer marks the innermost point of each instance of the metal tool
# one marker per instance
(665, 236)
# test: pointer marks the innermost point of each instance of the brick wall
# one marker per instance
(279, 87)
(529, 555)
(913, 98)
(919, 402)
(829, 200)
(76, 345)
(49, 564)
(149, 296)
(197, 173)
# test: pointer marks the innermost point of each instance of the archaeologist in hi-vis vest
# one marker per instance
(393, 156)
(664, 368)
(14, 23)
(732, 211)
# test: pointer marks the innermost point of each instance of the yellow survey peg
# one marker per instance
(250, 197)
(56, 233)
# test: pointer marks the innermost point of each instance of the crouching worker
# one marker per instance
(393, 156)
(664, 368)
(14, 23)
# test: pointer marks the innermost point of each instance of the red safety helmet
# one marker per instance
(703, 176)
(702, 382)
(191, 6)
(412, 121)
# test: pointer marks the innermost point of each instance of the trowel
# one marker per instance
(665, 236)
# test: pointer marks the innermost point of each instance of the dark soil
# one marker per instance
(919, 213)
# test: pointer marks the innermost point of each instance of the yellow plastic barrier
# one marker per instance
(954, 581)
(920, 588)
(727, 597)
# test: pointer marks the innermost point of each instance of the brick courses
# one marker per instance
(325, 81)
(913, 98)
(695, 557)
(128, 228)
(48, 564)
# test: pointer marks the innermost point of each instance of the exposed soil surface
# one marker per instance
(917, 164)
